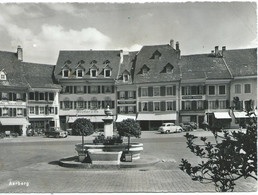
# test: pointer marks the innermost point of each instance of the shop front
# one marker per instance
(13, 125)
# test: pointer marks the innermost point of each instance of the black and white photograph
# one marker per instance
(128, 97)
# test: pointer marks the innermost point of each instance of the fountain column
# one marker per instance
(108, 123)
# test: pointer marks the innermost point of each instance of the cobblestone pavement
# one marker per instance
(39, 168)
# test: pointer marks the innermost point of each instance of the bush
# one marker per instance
(82, 126)
(115, 139)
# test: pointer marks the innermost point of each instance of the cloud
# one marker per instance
(66, 8)
(135, 47)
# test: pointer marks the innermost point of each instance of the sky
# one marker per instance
(43, 29)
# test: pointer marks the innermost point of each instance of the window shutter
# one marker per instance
(194, 106)
(0, 95)
(0, 111)
(163, 106)
(183, 105)
(98, 89)
(113, 104)
(36, 95)
(162, 90)
(113, 89)
(174, 90)
(74, 104)
(89, 89)
(150, 106)
(174, 105)
(25, 112)
(150, 91)
(134, 109)
(61, 105)
(118, 109)
(14, 111)
(75, 89)
(126, 109)
(118, 95)
(14, 97)
(103, 89)
(24, 97)
(204, 90)
(56, 110)
(46, 96)
(217, 103)
(183, 91)
(205, 104)
(134, 94)
(37, 110)
(70, 89)
(140, 107)
(46, 110)
(10, 98)
(103, 104)
(89, 105)
(139, 92)
(227, 104)
(126, 95)
(85, 89)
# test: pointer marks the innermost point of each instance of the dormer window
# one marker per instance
(169, 68)
(145, 69)
(79, 73)
(107, 73)
(2, 75)
(65, 73)
(125, 77)
(156, 55)
(93, 73)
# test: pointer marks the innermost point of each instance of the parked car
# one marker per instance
(192, 124)
(186, 127)
(56, 132)
(69, 131)
(169, 128)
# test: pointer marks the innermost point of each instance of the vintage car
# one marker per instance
(169, 128)
(56, 132)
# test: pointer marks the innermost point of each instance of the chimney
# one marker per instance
(178, 50)
(121, 56)
(223, 49)
(172, 43)
(19, 53)
(216, 50)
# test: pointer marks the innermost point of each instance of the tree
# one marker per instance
(82, 127)
(129, 128)
(231, 157)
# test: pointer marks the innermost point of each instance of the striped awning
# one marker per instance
(156, 117)
(222, 115)
(121, 117)
(93, 119)
(240, 115)
(13, 121)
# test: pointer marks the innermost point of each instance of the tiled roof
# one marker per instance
(166, 54)
(88, 57)
(39, 75)
(11, 65)
(241, 62)
(203, 66)
(126, 66)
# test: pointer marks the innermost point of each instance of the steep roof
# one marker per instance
(146, 56)
(203, 66)
(241, 62)
(126, 66)
(89, 57)
(39, 75)
(11, 65)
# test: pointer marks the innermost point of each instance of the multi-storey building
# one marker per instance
(157, 77)
(88, 84)
(13, 93)
(43, 96)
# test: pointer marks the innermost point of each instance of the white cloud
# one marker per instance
(135, 47)
(66, 8)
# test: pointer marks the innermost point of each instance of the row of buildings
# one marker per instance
(154, 85)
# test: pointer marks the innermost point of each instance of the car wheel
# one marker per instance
(167, 132)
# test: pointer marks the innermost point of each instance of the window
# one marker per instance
(18, 96)
(65, 73)
(41, 110)
(31, 96)
(130, 109)
(107, 73)
(94, 89)
(247, 88)
(79, 89)
(122, 109)
(51, 96)
(156, 106)
(93, 73)
(222, 104)
(169, 105)
(169, 90)
(222, 90)
(5, 111)
(131, 94)
(67, 104)
(51, 110)
(122, 95)
(200, 105)
(125, 77)
(79, 73)
(80, 104)
(186, 90)
(41, 96)
(212, 105)
(188, 105)
(144, 70)
(144, 106)
(19, 111)
(107, 89)
(4, 96)
(32, 110)
(156, 91)
(144, 92)
(3, 76)
(94, 104)
(237, 88)
(211, 90)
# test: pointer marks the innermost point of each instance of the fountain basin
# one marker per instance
(100, 157)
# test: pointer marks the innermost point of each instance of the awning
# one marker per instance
(14, 121)
(156, 117)
(93, 119)
(121, 117)
(240, 115)
(222, 115)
